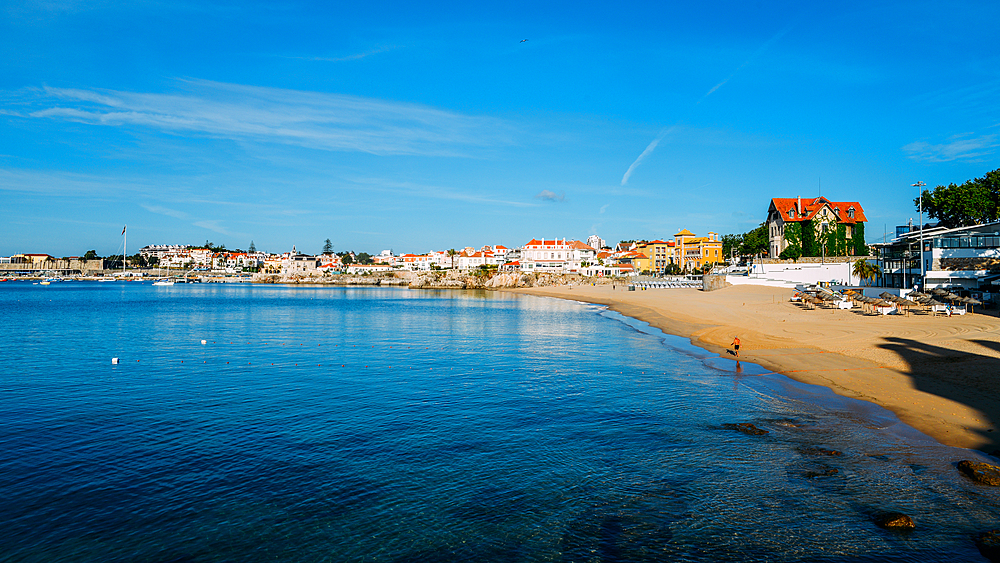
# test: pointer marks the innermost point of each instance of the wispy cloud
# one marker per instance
(159, 210)
(316, 120)
(345, 58)
(548, 195)
(652, 146)
(958, 147)
(436, 192)
(604, 208)
(213, 226)
(645, 153)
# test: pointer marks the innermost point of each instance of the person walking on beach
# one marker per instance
(736, 345)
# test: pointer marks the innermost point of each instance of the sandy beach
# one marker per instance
(940, 375)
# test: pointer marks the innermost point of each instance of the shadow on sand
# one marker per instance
(946, 372)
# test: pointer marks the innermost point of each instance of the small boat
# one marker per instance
(46, 282)
(163, 282)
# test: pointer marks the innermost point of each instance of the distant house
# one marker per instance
(657, 255)
(555, 256)
(821, 214)
(368, 268)
(33, 259)
(298, 263)
(694, 252)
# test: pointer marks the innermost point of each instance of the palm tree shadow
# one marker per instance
(955, 375)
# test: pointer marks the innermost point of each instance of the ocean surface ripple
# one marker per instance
(389, 425)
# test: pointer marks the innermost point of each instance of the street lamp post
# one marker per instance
(920, 207)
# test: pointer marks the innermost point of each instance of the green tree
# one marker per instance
(731, 245)
(755, 242)
(327, 247)
(866, 271)
(793, 236)
(451, 254)
(252, 248)
(974, 201)
(91, 255)
(346, 258)
(365, 258)
(792, 253)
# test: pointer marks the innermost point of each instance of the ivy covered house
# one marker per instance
(815, 227)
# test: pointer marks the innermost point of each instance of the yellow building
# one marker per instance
(33, 259)
(692, 253)
(659, 254)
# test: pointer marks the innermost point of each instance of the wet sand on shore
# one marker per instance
(938, 374)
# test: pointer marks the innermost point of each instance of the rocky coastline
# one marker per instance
(446, 279)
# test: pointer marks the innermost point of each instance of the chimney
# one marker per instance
(799, 207)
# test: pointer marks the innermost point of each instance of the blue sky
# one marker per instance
(394, 125)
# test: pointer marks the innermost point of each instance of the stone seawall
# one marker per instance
(447, 279)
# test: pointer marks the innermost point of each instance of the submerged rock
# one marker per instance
(745, 427)
(895, 521)
(820, 451)
(982, 473)
(989, 544)
(825, 473)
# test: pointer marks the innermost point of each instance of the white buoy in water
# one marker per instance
(203, 342)
(114, 361)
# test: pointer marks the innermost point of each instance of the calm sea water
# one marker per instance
(389, 425)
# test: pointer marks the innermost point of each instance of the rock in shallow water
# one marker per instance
(820, 451)
(824, 473)
(989, 545)
(745, 427)
(982, 473)
(895, 521)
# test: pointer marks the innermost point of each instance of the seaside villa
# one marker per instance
(821, 214)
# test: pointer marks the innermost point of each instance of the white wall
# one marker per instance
(795, 273)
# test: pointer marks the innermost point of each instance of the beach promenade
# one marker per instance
(940, 375)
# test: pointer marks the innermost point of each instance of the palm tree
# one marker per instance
(875, 270)
(860, 269)
(867, 271)
(452, 253)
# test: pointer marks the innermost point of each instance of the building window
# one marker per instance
(791, 213)
(850, 213)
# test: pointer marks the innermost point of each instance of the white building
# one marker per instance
(556, 256)
(595, 242)
(298, 263)
(162, 251)
(965, 256)
(368, 268)
(385, 257)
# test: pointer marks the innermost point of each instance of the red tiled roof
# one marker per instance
(536, 242)
(810, 206)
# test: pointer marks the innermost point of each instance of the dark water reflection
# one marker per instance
(362, 424)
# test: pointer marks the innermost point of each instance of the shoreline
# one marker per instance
(939, 375)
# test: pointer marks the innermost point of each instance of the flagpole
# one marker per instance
(124, 249)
